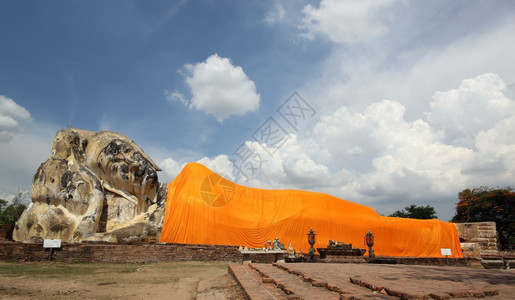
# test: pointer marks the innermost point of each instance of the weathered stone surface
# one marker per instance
(482, 234)
(471, 249)
(94, 186)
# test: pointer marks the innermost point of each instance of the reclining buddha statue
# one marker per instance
(101, 186)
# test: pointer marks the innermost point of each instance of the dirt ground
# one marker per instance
(166, 280)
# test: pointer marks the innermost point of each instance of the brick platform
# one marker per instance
(154, 252)
(118, 253)
(371, 281)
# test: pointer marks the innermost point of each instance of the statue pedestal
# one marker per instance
(354, 252)
(329, 255)
(338, 252)
(492, 262)
(263, 256)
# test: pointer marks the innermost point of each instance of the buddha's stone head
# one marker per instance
(122, 164)
(93, 184)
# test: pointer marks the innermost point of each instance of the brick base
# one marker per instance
(118, 253)
(155, 252)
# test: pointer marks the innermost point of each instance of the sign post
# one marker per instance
(446, 252)
(52, 244)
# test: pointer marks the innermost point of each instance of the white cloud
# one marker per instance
(219, 164)
(478, 104)
(170, 169)
(9, 112)
(383, 151)
(176, 96)
(22, 155)
(410, 71)
(276, 14)
(289, 166)
(498, 145)
(219, 88)
(23, 146)
(346, 21)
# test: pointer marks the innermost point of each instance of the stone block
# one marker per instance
(487, 233)
(439, 296)
(268, 280)
(459, 294)
(491, 292)
(319, 284)
(492, 263)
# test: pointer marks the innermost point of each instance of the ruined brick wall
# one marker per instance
(118, 253)
(478, 238)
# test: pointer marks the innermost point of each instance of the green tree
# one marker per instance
(10, 213)
(416, 212)
(485, 204)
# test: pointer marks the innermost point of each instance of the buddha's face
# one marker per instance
(125, 168)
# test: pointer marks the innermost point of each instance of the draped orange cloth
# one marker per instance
(204, 208)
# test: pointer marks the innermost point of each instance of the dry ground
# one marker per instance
(166, 280)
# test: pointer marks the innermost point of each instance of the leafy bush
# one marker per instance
(486, 204)
(10, 213)
(416, 212)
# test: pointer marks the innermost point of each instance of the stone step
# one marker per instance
(339, 284)
(252, 284)
(342, 285)
(294, 286)
(370, 281)
(386, 282)
(373, 281)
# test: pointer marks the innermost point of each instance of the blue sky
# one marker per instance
(396, 102)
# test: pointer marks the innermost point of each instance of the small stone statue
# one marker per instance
(311, 255)
(338, 245)
(291, 252)
(277, 245)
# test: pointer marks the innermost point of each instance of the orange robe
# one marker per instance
(204, 208)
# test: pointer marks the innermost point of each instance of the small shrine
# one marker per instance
(270, 253)
(341, 252)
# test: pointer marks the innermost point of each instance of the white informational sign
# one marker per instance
(446, 251)
(52, 243)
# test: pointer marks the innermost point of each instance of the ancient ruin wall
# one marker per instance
(478, 238)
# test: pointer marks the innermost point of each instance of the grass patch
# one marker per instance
(107, 274)
(62, 270)
(56, 280)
